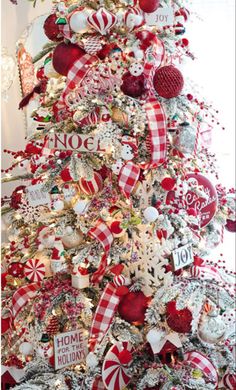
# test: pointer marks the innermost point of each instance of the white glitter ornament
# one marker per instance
(79, 21)
(150, 214)
(26, 348)
(212, 327)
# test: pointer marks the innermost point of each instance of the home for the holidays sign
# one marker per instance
(76, 142)
(70, 348)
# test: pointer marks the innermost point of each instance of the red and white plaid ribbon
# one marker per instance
(201, 362)
(128, 178)
(104, 314)
(74, 78)
(98, 384)
(157, 139)
(22, 296)
(101, 233)
(65, 30)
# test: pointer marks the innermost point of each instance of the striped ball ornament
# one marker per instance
(92, 186)
(229, 381)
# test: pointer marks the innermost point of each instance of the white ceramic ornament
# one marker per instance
(26, 348)
(150, 214)
(81, 206)
(58, 205)
(212, 327)
(136, 69)
(116, 167)
(79, 21)
(127, 153)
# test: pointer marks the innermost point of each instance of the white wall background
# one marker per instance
(212, 39)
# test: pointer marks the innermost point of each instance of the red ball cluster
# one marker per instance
(168, 82)
(179, 320)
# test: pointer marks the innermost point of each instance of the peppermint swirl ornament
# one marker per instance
(34, 270)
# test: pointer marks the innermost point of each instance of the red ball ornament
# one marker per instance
(5, 324)
(149, 6)
(168, 82)
(64, 56)
(116, 228)
(65, 175)
(133, 85)
(16, 269)
(147, 38)
(133, 306)
(179, 320)
(168, 183)
(92, 186)
(3, 280)
(51, 29)
(230, 226)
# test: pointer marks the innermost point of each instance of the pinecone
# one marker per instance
(53, 326)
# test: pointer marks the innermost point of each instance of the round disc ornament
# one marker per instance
(34, 270)
(115, 367)
(205, 203)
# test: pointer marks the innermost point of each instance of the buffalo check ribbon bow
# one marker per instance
(75, 77)
(157, 138)
(22, 296)
(101, 233)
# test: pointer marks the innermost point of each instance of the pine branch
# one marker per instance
(47, 48)
(14, 178)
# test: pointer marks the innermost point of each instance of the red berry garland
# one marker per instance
(168, 82)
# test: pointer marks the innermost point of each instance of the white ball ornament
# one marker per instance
(91, 360)
(136, 69)
(81, 206)
(78, 21)
(26, 348)
(150, 214)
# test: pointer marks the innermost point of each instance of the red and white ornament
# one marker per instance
(168, 82)
(16, 269)
(199, 361)
(229, 381)
(133, 18)
(93, 45)
(91, 186)
(182, 15)
(102, 20)
(136, 69)
(34, 270)
(115, 366)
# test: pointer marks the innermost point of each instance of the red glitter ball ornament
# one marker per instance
(16, 269)
(133, 85)
(149, 6)
(179, 320)
(133, 306)
(168, 183)
(230, 226)
(5, 324)
(64, 56)
(51, 29)
(168, 82)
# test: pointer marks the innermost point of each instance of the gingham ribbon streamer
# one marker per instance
(22, 296)
(128, 178)
(98, 384)
(102, 233)
(104, 313)
(201, 362)
(75, 76)
(155, 114)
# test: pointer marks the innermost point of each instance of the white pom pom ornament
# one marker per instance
(150, 214)
(26, 348)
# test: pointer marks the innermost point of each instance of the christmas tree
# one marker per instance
(108, 279)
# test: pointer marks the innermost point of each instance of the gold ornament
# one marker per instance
(119, 116)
